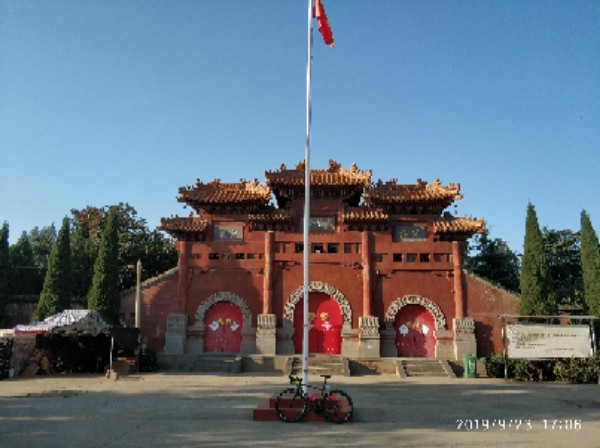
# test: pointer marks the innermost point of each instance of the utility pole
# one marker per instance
(138, 294)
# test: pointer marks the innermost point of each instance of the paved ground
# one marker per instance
(198, 410)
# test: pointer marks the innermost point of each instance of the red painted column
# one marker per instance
(183, 247)
(459, 302)
(366, 263)
(268, 273)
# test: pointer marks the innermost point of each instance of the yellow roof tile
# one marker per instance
(219, 192)
(334, 175)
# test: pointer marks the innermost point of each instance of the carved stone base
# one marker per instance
(464, 337)
(285, 342)
(248, 345)
(350, 348)
(175, 336)
(195, 339)
(444, 346)
(388, 342)
(266, 337)
(368, 337)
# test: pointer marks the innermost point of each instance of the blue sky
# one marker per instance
(124, 101)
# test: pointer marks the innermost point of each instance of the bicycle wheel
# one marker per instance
(290, 405)
(338, 406)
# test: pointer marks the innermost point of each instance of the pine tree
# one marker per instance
(590, 264)
(4, 274)
(534, 284)
(493, 260)
(104, 295)
(56, 294)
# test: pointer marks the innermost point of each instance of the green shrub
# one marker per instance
(519, 369)
(495, 365)
(148, 360)
(578, 370)
(523, 370)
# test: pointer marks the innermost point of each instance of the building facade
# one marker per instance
(385, 268)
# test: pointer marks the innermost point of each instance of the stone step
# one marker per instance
(216, 363)
(322, 365)
(267, 364)
(373, 366)
(425, 368)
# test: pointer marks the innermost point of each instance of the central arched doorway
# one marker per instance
(414, 326)
(325, 324)
(223, 328)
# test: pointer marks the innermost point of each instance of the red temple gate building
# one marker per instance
(386, 271)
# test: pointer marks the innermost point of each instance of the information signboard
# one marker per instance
(539, 341)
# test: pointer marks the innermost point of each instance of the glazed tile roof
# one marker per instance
(218, 192)
(392, 192)
(270, 217)
(177, 225)
(333, 176)
(271, 221)
(364, 205)
(365, 214)
(449, 224)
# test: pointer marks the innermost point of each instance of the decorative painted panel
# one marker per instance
(320, 224)
(227, 233)
(410, 233)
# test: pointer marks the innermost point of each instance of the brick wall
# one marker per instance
(158, 296)
(485, 302)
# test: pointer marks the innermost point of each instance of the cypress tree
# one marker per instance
(4, 274)
(104, 294)
(590, 264)
(42, 241)
(56, 293)
(534, 283)
(563, 252)
(84, 255)
(24, 271)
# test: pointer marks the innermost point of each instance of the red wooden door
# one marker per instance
(414, 332)
(223, 324)
(325, 325)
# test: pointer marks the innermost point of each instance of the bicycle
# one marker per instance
(293, 403)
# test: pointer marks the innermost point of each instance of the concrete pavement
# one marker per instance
(204, 410)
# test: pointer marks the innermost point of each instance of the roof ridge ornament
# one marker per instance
(334, 167)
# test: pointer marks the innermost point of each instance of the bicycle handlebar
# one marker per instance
(296, 380)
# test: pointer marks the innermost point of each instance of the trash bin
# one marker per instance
(470, 366)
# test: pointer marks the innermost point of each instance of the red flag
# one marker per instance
(324, 28)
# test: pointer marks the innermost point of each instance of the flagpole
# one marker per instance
(306, 248)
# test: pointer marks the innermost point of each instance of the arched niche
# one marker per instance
(432, 307)
(336, 294)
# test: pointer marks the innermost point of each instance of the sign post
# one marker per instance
(539, 340)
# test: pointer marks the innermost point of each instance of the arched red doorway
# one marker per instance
(223, 328)
(325, 324)
(414, 332)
